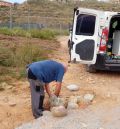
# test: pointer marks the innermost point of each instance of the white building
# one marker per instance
(104, 0)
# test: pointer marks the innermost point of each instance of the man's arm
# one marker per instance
(58, 88)
(47, 88)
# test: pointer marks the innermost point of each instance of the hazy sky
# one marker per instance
(18, 1)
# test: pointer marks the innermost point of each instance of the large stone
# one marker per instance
(57, 102)
(79, 98)
(72, 105)
(73, 87)
(59, 111)
(73, 99)
(88, 97)
(12, 104)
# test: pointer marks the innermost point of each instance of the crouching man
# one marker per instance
(40, 74)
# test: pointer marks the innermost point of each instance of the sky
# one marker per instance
(17, 1)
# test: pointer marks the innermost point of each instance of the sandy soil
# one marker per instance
(15, 107)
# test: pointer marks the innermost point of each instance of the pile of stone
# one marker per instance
(60, 106)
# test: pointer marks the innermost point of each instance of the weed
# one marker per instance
(14, 59)
(33, 33)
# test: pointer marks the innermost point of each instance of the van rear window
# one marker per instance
(85, 25)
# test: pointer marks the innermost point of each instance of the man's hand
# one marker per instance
(53, 100)
(53, 97)
(57, 89)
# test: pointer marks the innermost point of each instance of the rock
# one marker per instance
(79, 98)
(88, 97)
(57, 102)
(65, 102)
(73, 99)
(72, 102)
(9, 87)
(73, 87)
(59, 111)
(72, 105)
(4, 86)
(12, 104)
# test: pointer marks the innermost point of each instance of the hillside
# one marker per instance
(50, 14)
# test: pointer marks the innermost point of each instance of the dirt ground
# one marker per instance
(15, 106)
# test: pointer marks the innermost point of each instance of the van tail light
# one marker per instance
(103, 40)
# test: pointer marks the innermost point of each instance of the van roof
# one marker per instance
(98, 11)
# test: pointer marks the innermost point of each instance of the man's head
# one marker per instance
(65, 67)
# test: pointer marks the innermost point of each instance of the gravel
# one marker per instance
(79, 119)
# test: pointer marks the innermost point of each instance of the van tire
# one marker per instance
(91, 69)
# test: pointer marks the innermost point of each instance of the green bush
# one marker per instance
(19, 32)
(33, 33)
(5, 31)
(27, 54)
(43, 34)
(5, 56)
(21, 55)
(13, 60)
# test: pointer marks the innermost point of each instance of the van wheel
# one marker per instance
(91, 69)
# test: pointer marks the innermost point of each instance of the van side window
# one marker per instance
(85, 25)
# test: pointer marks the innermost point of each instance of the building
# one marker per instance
(104, 0)
(116, 1)
(4, 3)
(108, 1)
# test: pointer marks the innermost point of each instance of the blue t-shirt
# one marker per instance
(48, 70)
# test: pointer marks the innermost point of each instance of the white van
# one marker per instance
(95, 39)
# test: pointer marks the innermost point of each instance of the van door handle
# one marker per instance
(71, 45)
(76, 39)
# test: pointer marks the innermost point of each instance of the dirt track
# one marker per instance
(105, 85)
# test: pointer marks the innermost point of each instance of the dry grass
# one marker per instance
(17, 52)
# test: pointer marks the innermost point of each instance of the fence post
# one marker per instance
(10, 16)
(60, 28)
(28, 17)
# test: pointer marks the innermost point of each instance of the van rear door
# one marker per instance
(84, 36)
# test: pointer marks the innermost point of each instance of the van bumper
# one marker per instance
(102, 64)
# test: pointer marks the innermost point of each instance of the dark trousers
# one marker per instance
(37, 96)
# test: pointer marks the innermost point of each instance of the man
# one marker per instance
(40, 74)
